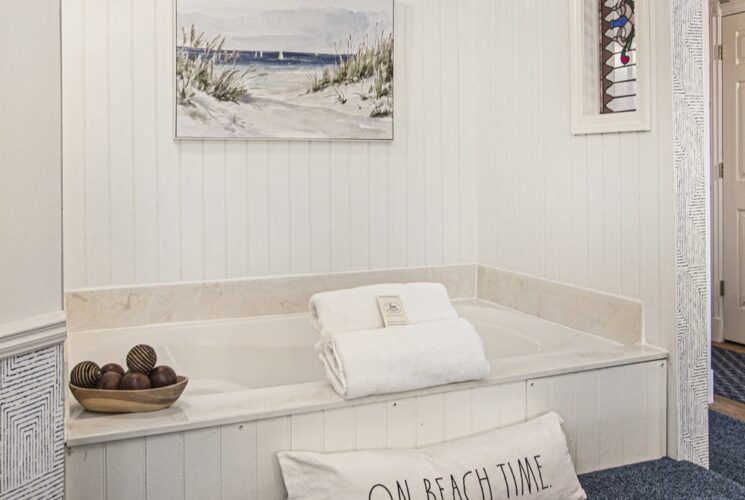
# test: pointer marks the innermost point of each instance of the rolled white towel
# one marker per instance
(357, 308)
(403, 358)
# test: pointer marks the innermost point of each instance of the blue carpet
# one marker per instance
(727, 446)
(729, 373)
(658, 480)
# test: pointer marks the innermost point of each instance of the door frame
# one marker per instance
(717, 12)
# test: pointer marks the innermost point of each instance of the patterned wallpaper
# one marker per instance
(31, 425)
(691, 241)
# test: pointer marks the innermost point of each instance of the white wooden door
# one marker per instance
(733, 95)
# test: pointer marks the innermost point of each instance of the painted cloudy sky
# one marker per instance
(287, 25)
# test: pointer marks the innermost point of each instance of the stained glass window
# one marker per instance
(617, 56)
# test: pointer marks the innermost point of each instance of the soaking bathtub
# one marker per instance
(257, 387)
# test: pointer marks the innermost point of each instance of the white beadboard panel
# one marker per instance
(85, 469)
(202, 470)
(585, 210)
(339, 429)
(142, 208)
(128, 455)
(307, 431)
(372, 426)
(272, 436)
(165, 466)
(607, 421)
(238, 461)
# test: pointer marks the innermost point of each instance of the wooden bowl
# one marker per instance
(115, 401)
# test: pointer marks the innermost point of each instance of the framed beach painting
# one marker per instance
(284, 69)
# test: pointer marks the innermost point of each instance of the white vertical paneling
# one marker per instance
(238, 461)
(97, 211)
(215, 211)
(125, 469)
(585, 210)
(607, 421)
(596, 270)
(339, 192)
(202, 463)
(379, 199)
(279, 208)
(257, 159)
(272, 436)
(588, 418)
(121, 158)
(486, 404)
(451, 165)
(609, 417)
(470, 145)
(458, 414)
(564, 402)
(635, 406)
(372, 426)
(430, 424)
(168, 179)
(85, 469)
(145, 124)
(164, 457)
(359, 205)
(300, 208)
(396, 155)
(320, 207)
(433, 130)
(307, 433)
(192, 204)
(611, 429)
(141, 207)
(415, 164)
(74, 196)
(236, 209)
(656, 409)
(630, 213)
(401, 422)
(339, 429)
(613, 245)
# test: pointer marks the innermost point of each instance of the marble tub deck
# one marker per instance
(198, 411)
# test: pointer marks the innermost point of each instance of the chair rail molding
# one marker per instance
(32, 334)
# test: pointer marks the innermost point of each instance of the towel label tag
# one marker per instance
(392, 310)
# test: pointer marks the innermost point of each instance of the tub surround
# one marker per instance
(258, 404)
(103, 308)
(609, 316)
(563, 351)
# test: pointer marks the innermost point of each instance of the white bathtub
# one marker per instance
(236, 355)
(262, 375)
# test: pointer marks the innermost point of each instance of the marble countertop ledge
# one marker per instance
(192, 412)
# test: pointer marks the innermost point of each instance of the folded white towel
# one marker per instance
(402, 358)
(357, 308)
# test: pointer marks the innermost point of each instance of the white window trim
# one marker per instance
(639, 120)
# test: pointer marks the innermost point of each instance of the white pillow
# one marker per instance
(528, 460)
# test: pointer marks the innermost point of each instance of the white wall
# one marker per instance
(143, 208)
(30, 160)
(595, 211)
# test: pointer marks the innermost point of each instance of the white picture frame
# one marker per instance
(377, 120)
(583, 54)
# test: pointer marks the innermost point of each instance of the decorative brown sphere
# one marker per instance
(110, 381)
(161, 376)
(85, 374)
(112, 367)
(141, 358)
(134, 381)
